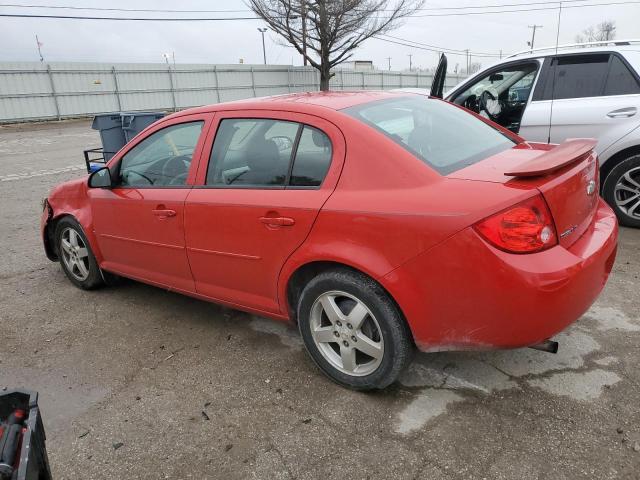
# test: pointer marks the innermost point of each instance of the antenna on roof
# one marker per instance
(553, 82)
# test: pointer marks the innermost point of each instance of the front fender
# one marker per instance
(70, 199)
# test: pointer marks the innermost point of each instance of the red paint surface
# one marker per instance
(380, 210)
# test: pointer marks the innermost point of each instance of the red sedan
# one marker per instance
(378, 222)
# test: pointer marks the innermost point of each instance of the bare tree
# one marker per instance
(602, 32)
(326, 32)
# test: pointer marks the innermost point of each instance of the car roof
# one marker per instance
(299, 102)
(588, 47)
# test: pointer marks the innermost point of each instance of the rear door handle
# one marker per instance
(164, 213)
(277, 221)
(623, 112)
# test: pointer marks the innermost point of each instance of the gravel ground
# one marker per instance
(136, 382)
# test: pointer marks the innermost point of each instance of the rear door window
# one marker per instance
(267, 153)
(577, 76)
(252, 152)
(620, 80)
(445, 137)
(313, 157)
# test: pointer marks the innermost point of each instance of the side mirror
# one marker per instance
(100, 178)
(496, 77)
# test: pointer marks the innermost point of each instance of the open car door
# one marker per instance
(439, 77)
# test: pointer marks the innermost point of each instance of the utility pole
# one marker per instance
(467, 53)
(410, 63)
(39, 44)
(533, 35)
(264, 51)
(389, 60)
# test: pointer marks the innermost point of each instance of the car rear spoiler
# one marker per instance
(559, 157)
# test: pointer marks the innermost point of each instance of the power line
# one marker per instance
(161, 10)
(549, 2)
(134, 19)
(442, 49)
(110, 9)
(463, 53)
(525, 9)
(210, 19)
(554, 6)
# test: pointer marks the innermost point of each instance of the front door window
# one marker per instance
(162, 159)
(501, 95)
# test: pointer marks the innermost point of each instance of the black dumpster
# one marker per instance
(23, 453)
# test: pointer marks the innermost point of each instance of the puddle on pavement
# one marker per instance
(606, 361)
(577, 385)
(428, 404)
(287, 335)
(575, 345)
(60, 399)
(609, 318)
(441, 379)
(455, 371)
(488, 372)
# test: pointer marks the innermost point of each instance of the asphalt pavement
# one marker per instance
(137, 382)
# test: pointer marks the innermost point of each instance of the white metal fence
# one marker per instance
(37, 91)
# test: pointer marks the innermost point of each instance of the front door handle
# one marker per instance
(623, 112)
(277, 221)
(164, 213)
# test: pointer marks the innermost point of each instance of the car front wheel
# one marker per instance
(76, 257)
(621, 190)
(353, 330)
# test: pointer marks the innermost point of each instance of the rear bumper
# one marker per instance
(465, 294)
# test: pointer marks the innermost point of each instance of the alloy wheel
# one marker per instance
(627, 193)
(75, 254)
(346, 333)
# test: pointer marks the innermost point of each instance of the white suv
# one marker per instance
(583, 90)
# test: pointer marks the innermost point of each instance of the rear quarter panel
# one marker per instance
(389, 207)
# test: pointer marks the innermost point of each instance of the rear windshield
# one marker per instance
(443, 136)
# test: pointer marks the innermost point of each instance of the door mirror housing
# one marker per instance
(100, 178)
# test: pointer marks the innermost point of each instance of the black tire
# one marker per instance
(93, 276)
(630, 164)
(398, 347)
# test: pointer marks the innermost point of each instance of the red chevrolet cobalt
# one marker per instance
(378, 222)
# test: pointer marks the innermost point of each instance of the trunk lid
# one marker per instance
(566, 175)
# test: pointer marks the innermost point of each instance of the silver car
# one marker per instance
(582, 90)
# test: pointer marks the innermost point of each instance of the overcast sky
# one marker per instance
(227, 42)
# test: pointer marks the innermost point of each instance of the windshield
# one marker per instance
(443, 136)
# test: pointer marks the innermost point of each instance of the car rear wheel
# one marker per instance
(76, 258)
(621, 190)
(353, 331)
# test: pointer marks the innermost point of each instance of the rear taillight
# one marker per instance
(524, 228)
